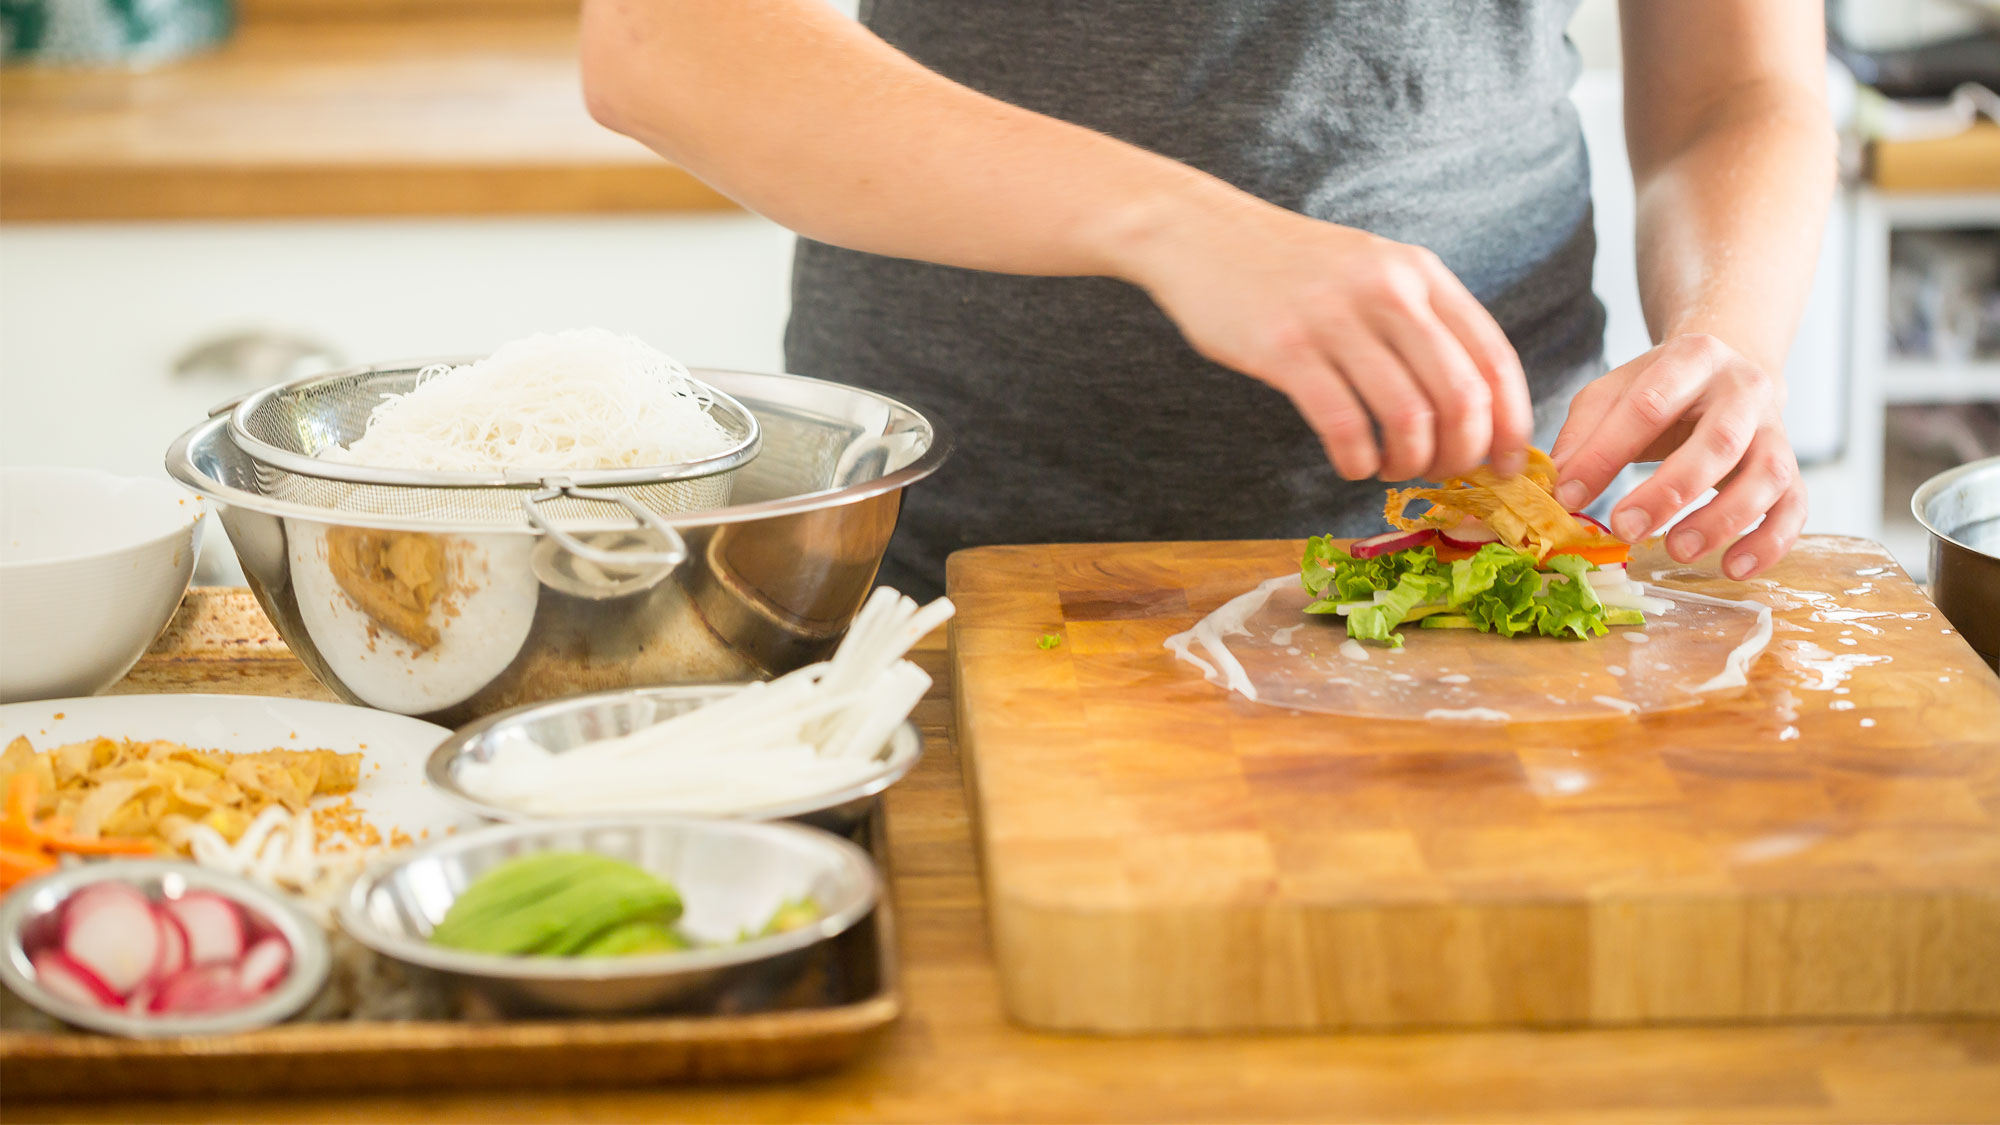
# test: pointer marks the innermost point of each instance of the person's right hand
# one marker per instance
(1362, 333)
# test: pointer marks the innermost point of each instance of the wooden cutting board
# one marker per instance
(1160, 855)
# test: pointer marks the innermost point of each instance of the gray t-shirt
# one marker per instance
(1079, 411)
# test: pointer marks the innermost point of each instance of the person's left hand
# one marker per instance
(1714, 419)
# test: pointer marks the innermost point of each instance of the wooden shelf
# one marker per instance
(1968, 161)
(412, 116)
(1910, 380)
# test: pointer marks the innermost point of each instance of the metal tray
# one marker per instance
(845, 998)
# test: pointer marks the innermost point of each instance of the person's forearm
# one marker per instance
(1729, 225)
(804, 116)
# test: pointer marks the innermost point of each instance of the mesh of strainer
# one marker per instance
(284, 429)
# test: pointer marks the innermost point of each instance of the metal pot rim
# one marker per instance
(180, 465)
(1931, 489)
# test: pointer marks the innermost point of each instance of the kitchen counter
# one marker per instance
(388, 116)
(954, 1057)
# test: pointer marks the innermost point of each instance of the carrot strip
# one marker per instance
(22, 794)
(20, 866)
(104, 845)
(1610, 555)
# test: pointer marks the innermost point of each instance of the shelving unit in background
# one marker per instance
(1874, 476)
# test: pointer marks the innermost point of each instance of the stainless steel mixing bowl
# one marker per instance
(1961, 510)
(770, 582)
(565, 724)
(731, 875)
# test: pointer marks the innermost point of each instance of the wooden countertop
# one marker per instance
(955, 1058)
(408, 116)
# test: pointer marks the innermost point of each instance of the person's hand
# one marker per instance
(1714, 419)
(1362, 334)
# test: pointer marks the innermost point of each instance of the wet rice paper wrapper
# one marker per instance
(1264, 645)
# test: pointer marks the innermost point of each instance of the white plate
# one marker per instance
(392, 791)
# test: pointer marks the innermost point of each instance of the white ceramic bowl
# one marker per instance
(91, 567)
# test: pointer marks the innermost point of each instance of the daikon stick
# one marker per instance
(811, 731)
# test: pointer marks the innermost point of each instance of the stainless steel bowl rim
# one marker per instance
(181, 466)
(354, 918)
(1945, 482)
(310, 958)
(438, 771)
(239, 432)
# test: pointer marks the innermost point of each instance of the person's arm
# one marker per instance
(1733, 160)
(804, 116)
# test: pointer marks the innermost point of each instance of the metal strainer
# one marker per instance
(285, 428)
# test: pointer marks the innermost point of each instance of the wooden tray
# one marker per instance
(1162, 856)
(845, 999)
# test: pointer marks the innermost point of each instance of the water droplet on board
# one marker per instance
(1293, 651)
(1788, 734)
(1614, 669)
(1455, 678)
(1842, 705)
(1842, 690)
(1823, 670)
(1867, 722)
(1562, 781)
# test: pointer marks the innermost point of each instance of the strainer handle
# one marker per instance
(674, 554)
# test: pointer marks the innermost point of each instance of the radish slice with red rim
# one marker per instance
(201, 988)
(213, 924)
(1469, 535)
(108, 928)
(60, 975)
(1392, 541)
(1592, 521)
(264, 965)
(173, 945)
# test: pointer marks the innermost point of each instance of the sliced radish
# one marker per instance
(264, 965)
(108, 928)
(213, 925)
(1592, 521)
(60, 974)
(1392, 541)
(1469, 535)
(173, 945)
(141, 1002)
(200, 988)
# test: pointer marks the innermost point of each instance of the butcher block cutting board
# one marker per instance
(1161, 855)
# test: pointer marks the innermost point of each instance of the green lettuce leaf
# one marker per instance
(1499, 590)
(1378, 622)
(1570, 608)
(1335, 577)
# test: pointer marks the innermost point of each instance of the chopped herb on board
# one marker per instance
(1049, 641)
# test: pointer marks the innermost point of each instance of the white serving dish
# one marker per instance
(92, 566)
(392, 793)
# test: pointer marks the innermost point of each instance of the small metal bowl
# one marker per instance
(731, 875)
(568, 723)
(32, 907)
